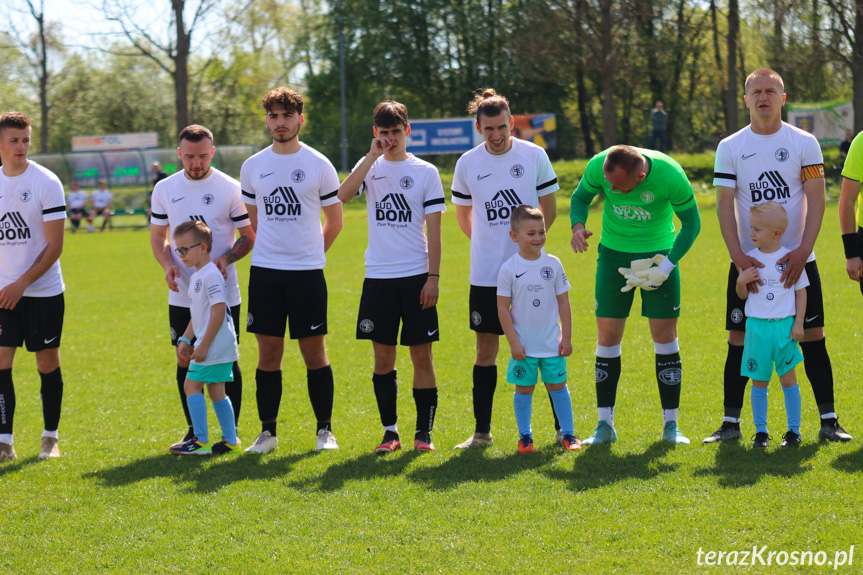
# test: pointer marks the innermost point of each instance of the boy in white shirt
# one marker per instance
(212, 359)
(531, 296)
(774, 322)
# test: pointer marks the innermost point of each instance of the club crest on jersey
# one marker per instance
(298, 176)
(14, 227)
(501, 205)
(406, 183)
(546, 273)
(736, 315)
(770, 186)
(476, 318)
(647, 197)
(780, 267)
(198, 286)
(367, 326)
(535, 303)
(516, 171)
(282, 202)
(393, 208)
(25, 195)
(208, 199)
(635, 213)
(781, 155)
(770, 297)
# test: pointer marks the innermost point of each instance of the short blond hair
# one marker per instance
(764, 73)
(773, 213)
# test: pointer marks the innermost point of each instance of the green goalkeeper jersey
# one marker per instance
(853, 169)
(640, 221)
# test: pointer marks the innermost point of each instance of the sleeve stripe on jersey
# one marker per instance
(587, 182)
(460, 195)
(690, 199)
(159, 216)
(434, 202)
(240, 218)
(330, 195)
(53, 210)
(547, 184)
(248, 195)
(721, 176)
(812, 172)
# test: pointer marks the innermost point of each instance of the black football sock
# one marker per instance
(816, 362)
(268, 394)
(234, 391)
(606, 376)
(7, 401)
(668, 376)
(181, 383)
(553, 412)
(484, 384)
(426, 402)
(734, 383)
(52, 398)
(321, 391)
(386, 392)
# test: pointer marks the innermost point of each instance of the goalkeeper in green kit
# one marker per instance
(638, 249)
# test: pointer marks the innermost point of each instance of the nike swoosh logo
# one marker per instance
(47, 341)
(431, 333)
(265, 175)
(789, 361)
(519, 275)
(808, 319)
(561, 374)
(478, 177)
(175, 200)
(675, 308)
(745, 157)
(381, 178)
(314, 327)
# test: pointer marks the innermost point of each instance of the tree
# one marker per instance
(847, 27)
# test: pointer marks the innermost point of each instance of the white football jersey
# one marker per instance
(26, 202)
(399, 195)
(289, 191)
(773, 300)
(769, 168)
(534, 287)
(493, 185)
(76, 200)
(101, 198)
(215, 200)
(206, 289)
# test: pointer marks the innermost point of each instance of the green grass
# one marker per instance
(116, 502)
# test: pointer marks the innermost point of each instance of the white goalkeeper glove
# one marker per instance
(655, 276)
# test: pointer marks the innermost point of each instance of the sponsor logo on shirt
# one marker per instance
(500, 206)
(770, 186)
(282, 202)
(632, 213)
(393, 208)
(198, 219)
(14, 227)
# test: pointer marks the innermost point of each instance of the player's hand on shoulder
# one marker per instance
(579, 240)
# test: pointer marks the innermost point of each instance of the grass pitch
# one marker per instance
(117, 502)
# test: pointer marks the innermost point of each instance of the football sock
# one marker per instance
(734, 383)
(52, 398)
(234, 391)
(426, 402)
(606, 414)
(816, 362)
(198, 411)
(7, 403)
(53, 434)
(268, 394)
(793, 407)
(669, 415)
(607, 376)
(181, 382)
(321, 391)
(759, 408)
(669, 373)
(484, 384)
(386, 392)
(553, 412)
(563, 407)
(225, 414)
(523, 404)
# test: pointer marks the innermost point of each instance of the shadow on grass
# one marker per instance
(17, 465)
(474, 465)
(370, 466)
(202, 476)
(739, 466)
(598, 466)
(849, 462)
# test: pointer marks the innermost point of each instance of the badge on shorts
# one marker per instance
(519, 372)
(250, 319)
(476, 318)
(751, 365)
(367, 326)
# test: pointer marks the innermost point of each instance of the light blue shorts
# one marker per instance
(524, 371)
(219, 373)
(768, 342)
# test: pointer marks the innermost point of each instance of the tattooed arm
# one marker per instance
(240, 249)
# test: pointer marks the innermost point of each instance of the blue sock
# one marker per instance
(523, 405)
(225, 414)
(198, 411)
(563, 407)
(759, 408)
(792, 407)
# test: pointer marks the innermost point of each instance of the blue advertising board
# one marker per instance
(453, 136)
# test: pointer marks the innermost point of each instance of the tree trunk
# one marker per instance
(609, 134)
(181, 71)
(731, 93)
(717, 60)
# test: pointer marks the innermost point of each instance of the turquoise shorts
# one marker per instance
(768, 342)
(219, 373)
(524, 371)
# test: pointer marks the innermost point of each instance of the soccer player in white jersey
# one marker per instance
(76, 200)
(32, 220)
(199, 192)
(405, 200)
(489, 181)
(286, 187)
(770, 160)
(103, 200)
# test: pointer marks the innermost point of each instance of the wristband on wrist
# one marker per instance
(852, 250)
(434, 275)
(184, 339)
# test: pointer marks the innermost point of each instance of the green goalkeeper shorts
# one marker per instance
(661, 303)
